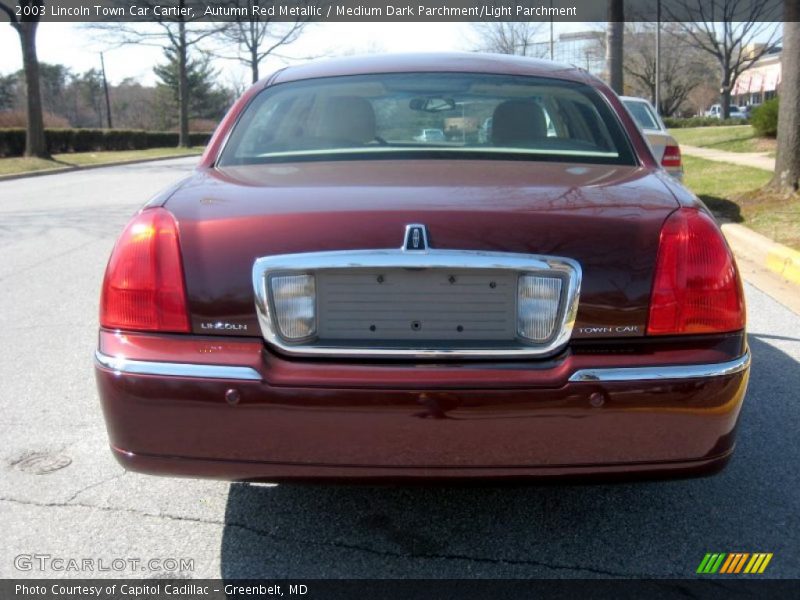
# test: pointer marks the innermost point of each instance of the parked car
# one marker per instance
(733, 112)
(748, 109)
(325, 298)
(736, 113)
(665, 147)
(431, 135)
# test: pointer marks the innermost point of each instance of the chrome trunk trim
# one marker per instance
(569, 270)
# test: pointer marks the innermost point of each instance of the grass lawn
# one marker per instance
(734, 138)
(733, 193)
(10, 166)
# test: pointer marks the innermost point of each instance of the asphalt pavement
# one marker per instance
(63, 496)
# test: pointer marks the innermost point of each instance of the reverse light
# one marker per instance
(538, 300)
(143, 287)
(294, 302)
(696, 288)
(671, 157)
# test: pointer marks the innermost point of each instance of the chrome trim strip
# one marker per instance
(170, 369)
(430, 258)
(663, 373)
(120, 364)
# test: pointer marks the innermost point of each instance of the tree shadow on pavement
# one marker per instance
(657, 529)
(724, 210)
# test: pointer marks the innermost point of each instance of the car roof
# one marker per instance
(434, 62)
(635, 99)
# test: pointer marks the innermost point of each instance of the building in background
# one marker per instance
(760, 82)
(583, 49)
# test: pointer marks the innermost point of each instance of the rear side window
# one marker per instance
(643, 115)
(428, 116)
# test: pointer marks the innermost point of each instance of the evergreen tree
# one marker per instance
(8, 90)
(206, 99)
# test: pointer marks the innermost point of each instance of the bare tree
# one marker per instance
(615, 37)
(733, 32)
(26, 26)
(787, 163)
(177, 33)
(136, 106)
(370, 47)
(257, 38)
(682, 67)
(510, 38)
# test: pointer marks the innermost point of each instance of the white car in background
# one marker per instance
(665, 147)
(431, 135)
(734, 112)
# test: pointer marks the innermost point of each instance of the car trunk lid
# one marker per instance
(606, 217)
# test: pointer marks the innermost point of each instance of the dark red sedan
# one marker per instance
(335, 293)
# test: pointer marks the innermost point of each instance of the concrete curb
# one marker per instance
(56, 171)
(777, 258)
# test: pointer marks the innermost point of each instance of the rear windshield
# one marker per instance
(643, 114)
(428, 115)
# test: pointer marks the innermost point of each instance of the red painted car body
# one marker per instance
(217, 400)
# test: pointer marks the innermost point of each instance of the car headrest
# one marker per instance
(348, 118)
(518, 121)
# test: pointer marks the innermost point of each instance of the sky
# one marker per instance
(75, 46)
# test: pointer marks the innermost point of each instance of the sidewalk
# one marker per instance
(100, 165)
(759, 160)
(771, 267)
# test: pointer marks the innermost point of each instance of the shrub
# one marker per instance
(765, 118)
(199, 139)
(19, 118)
(63, 140)
(674, 123)
(202, 125)
(12, 142)
(58, 140)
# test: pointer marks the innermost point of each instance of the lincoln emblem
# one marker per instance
(416, 238)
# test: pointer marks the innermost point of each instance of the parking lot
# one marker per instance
(62, 494)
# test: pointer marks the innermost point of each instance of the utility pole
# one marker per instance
(105, 89)
(658, 58)
(552, 43)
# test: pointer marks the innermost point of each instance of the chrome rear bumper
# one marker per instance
(664, 373)
(122, 365)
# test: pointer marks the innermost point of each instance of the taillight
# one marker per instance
(696, 288)
(143, 287)
(672, 157)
